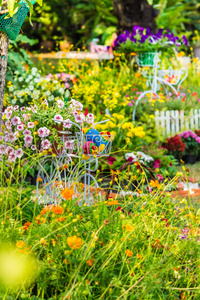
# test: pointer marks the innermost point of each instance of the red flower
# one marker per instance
(111, 160)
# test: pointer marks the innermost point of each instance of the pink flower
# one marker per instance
(33, 147)
(8, 124)
(159, 176)
(22, 108)
(111, 160)
(19, 153)
(16, 107)
(12, 157)
(67, 125)
(156, 164)
(46, 144)
(43, 132)
(68, 145)
(3, 149)
(25, 116)
(8, 115)
(67, 85)
(16, 120)
(10, 150)
(26, 132)
(58, 118)
(20, 127)
(28, 139)
(60, 103)
(149, 189)
(78, 119)
(31, 125)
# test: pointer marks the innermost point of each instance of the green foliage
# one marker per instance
(17, 56)
(177, 16)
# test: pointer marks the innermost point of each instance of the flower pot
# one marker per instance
(147, 59)
(189, 159)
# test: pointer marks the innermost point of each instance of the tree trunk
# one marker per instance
(4, 44)
(134, 12)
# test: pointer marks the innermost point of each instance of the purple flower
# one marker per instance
(46, 144)
(185, 41)
(19, 153)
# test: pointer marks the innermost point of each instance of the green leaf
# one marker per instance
(150, 2)
(11, 5)
(40, 2)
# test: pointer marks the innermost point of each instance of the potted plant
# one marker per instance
(192, 142)
(146, 43)
(30, 130)
(175, 146)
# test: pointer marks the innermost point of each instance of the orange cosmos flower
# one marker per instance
(20, 244)
(90, 262)
(39, 179)
(58, 210)
(36, 122)
(26, 225)
(154, 183)
(45, 210)
(67, 193)
(61, 219)
(74, 242)
(129, 253)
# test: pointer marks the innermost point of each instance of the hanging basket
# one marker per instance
(147, 59)
(12, 25)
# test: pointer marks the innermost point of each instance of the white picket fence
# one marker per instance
(174, 121)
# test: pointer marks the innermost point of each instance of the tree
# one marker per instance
(134, 12)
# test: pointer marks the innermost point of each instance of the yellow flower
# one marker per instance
(113, 202)
(128, 227)
(129, 253)
(74, 242)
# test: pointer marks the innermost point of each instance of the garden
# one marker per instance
(99, 149)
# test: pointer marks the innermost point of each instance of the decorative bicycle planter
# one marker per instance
(86, 148)
(156, 78)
